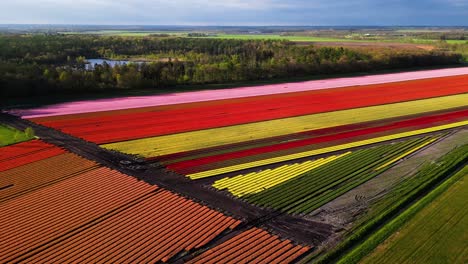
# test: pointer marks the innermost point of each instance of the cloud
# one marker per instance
(236, 12)
(161, 4)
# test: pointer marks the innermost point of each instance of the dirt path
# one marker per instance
(342, 211)
(294, 228)
(311, 231)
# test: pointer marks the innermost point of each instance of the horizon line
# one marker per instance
(228, 25)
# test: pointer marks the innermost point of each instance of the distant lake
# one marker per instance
(112, 63)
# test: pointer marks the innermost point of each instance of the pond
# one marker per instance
(112, 63)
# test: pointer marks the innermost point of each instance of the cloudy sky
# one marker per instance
(236, 12)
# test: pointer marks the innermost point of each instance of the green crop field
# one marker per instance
(130, 33)
(280, 37)
(454, 41)
(372, 231)
(124, 33)
(133, 33)
(10, 136)
(391, 213)
(433, 41)
(437, 234)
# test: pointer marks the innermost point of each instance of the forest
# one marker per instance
(43, 64)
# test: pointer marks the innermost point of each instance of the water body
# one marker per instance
(112, 63)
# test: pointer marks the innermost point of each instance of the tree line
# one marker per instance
(44, 64)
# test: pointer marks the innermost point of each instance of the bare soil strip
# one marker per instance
(344, 210)
(312, 231)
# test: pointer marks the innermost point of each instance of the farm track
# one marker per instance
(262, 215)
(344, 210)
(294, 228)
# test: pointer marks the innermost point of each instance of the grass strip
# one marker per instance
(403, 195)
(9, 135)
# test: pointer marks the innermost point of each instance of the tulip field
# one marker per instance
(256, 182)
(279, 153)
(315, 185)
(60, 207)
(208, 133)
(263, 248)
